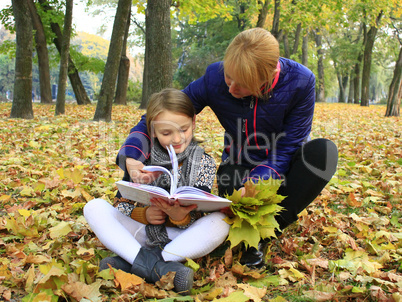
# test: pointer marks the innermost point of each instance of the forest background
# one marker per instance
(346, 246)
(353, 48)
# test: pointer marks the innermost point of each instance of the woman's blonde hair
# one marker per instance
(251, 59)
(168, 99)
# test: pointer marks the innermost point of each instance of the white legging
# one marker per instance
(125, 236)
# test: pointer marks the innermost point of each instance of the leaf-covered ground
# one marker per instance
(347, 246)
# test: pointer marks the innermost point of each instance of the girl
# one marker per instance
(137, 234)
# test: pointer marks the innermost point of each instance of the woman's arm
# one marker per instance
(136, 146)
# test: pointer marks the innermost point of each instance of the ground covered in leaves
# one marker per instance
(347, 246)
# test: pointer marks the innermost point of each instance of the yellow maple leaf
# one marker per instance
(79, 290)
(254, 293)
(5, 198)
(62, 229)
(126, 280)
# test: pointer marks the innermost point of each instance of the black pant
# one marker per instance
(311, 168)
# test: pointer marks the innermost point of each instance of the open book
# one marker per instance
(186, 195)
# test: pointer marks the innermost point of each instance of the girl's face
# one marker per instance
(172, 128)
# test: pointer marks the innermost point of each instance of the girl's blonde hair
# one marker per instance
(168, 99)
(251, 59)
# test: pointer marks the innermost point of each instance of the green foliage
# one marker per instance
(87, 63)
(254, 211)
(134, 91)
(196, 46)
(7, 66)
(7, 19)
(7, 45)
(201, 11)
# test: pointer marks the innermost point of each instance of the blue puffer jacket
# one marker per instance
(261, 134)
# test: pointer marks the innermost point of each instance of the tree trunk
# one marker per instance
(43, 56)
(75, 80)
(158, 55)
(124, 70)
(144, 96)
(262, 16)
(297, 39)
(305, 50)
(320, 94)
(104, 107)
(22, 101)
(395, 89)
(357, 66)
(356, 81)
(351, 90)
(275, 23)
(241, 21)
(368, 50)
(286, 46)
(342, 82)
(65, 50)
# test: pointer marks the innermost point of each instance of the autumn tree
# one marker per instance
(395, 89)
(263, 12)
(304, 57)
(43, 56)
(49, 17)
(124, 70)
(65, 47)
(158, 72)
(275, 23)
(75, 80)
(368, 50)
(107, 91)
(320, 92)
(22, 102)
(342, 50)
(356, 72)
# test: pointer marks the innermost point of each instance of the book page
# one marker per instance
(160, 169)
(173, 176)
(175, 166)
(196, 193)
(140, 192)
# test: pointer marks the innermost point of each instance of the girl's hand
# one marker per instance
(155, 215)
(134, 168)
(175, 211)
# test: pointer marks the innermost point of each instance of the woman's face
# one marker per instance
(172, 128)
(235, 89)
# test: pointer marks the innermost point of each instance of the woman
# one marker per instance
(265, 104)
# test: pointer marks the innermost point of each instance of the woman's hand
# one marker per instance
(175, 211)
(155, 215)
(134, 168)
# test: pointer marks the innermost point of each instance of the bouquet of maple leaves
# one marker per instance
(254, 211)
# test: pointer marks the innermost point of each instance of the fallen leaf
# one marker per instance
(254, 293)
(79, 291)
(126, 280)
